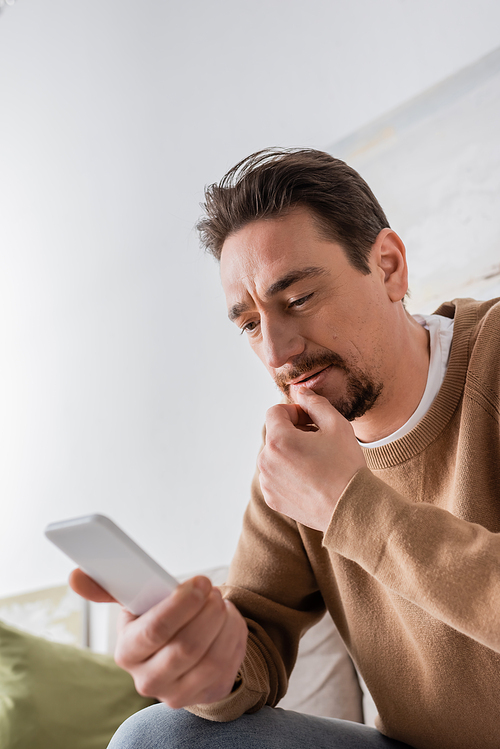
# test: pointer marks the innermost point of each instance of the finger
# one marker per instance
(319, 410)
(213, 677)
(190, 643)
(284, 417)
(161, 673)
(296, 414)
(88, 588)
(141, 637)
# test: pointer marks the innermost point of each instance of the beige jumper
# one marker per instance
(409, 567)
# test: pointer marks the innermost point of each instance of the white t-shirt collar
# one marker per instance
(441, 334)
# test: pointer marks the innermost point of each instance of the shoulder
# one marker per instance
(469, 308)
(475, 352)
(483, 376)
(474, 319)
(485, 338)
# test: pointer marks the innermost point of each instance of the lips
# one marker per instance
(308, 370)
(309, 376)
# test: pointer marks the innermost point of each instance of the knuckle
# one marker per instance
(272, 411)
(155, 632)
(124, 619)
(174, 701)
(218, 601)
(122, 654)
(145, 685)
(120, 657)
(215, 608)
(184, 650)
(273, 444)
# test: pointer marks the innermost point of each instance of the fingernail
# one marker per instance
(203, 585)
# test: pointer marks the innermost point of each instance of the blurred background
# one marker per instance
(123, 387)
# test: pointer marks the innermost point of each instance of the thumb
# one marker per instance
(320, 410)
(88, 588)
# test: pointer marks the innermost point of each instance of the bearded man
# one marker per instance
(376, 496)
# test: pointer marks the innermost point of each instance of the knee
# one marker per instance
(155, 727)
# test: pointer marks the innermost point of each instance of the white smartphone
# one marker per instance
(105, 553)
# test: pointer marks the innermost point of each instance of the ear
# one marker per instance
(388, 259)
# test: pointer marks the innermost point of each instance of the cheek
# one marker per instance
(325, 329)
(350, 320)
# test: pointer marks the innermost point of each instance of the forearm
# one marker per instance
(443, 564)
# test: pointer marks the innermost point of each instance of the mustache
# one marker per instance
(306, 364)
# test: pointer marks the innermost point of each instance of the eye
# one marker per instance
(248, 328)
(299, 302)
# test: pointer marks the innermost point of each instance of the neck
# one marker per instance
(404, 385)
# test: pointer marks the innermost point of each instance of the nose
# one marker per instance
(281, 342)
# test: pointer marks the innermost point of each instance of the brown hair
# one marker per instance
(271, 182)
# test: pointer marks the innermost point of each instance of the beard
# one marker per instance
(361, 391)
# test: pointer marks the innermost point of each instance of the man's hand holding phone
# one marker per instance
(185, 650)
(183, 644)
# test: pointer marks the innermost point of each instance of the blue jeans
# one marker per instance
(158, 727)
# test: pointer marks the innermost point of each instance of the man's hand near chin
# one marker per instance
(303, 472)
(186, 650)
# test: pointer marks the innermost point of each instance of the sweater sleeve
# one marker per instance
(443, 564)
(272, 584)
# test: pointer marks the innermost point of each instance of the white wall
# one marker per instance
(123, 389)
(434, 163)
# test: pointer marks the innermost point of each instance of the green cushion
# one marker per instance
(55, 696)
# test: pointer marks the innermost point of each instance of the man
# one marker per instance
(377, 493)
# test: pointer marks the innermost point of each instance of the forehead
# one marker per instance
(260, 253)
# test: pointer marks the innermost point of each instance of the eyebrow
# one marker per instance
(280, 285)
